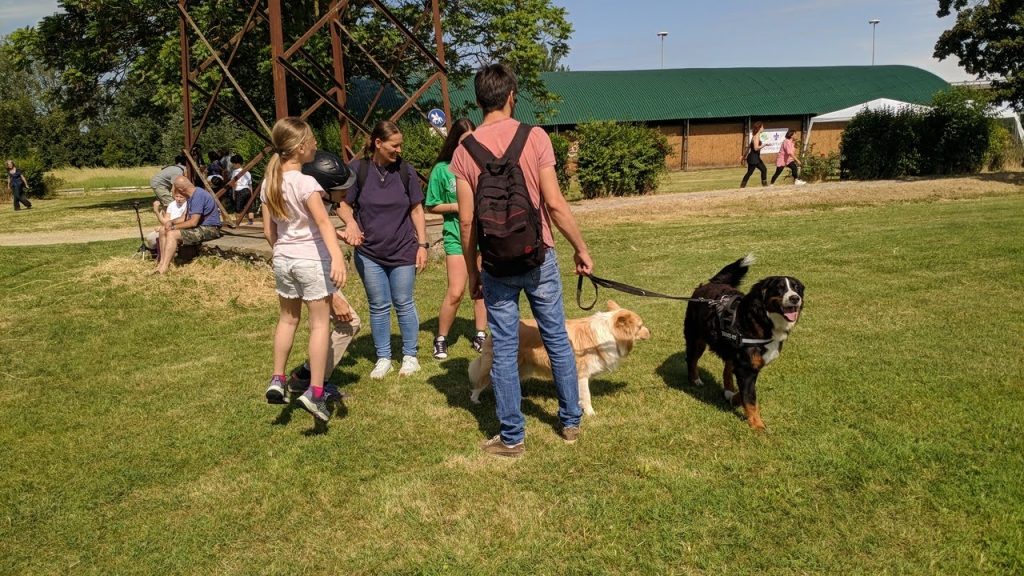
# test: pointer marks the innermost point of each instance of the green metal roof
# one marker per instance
(708, 93)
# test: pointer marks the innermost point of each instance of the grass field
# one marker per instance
(137, 440)
(90, 178)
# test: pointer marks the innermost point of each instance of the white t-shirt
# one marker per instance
(297, 236)
(175, 211)
(244, 181)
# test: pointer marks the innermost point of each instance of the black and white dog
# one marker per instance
(745, 331)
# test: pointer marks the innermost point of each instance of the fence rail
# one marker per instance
(77, 191)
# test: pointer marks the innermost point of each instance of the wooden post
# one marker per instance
(276, 50)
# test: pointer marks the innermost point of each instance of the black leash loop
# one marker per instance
(597, 281)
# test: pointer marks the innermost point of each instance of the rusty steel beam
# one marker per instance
(186, 57)
(220, 81)
(327, 17)
(276, 51)
(439, 40)
(202, 177)
(412, 38)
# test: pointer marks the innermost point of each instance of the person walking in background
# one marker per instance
(163, 181)
(19, 186)
(441, 200)
(501, 283)
(308, 263)
(787, 159)
(753, 157)
(385, 223)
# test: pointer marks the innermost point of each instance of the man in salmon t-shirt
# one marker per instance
(496, 91)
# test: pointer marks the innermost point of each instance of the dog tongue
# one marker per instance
(792, 316)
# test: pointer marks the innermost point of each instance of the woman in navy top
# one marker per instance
(384, 221)
(18, 185)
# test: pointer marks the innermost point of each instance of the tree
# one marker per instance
(988, 39)
(99, 46)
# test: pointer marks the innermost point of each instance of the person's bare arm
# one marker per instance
(269, 229)
(419, 222)
(464, 194)
(563, 219)
(353, 235)
(449, 208)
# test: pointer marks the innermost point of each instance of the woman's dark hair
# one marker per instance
(493, 84)
(789, 133)
(758, 126)
(459, 127)
(381, 131)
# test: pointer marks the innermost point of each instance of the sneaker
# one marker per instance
(409, 365)
(275, 390)
(381, 369)
(800, 182)
(332, 394)
(298, 380)
(440, 348)
(570, 434)
(318, 408)
(478, 341)
(495, 447)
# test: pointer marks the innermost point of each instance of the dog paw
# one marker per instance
(697, 382)
(728, 395)
(589, 412)
(474, 397)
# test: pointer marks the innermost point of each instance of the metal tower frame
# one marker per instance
(268, 13)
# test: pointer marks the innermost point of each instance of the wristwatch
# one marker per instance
(425, 245)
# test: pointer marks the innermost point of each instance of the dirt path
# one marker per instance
(66, 237)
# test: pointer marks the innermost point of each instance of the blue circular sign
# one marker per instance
(436, 118)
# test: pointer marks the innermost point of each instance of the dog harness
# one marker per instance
(726, 311)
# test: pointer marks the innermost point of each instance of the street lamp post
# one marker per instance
(874, 23)
(662, 36)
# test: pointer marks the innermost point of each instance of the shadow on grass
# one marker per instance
(145, 204)
(673, 372)
(454, 384)
(1015, 178)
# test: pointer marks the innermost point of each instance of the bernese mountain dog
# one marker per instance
(745, 331)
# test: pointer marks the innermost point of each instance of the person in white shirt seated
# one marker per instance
(174, 212)
(242, 183)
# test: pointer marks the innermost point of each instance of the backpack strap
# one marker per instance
(482, 156)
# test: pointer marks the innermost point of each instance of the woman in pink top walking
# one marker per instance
(308, 264)
(787, 159)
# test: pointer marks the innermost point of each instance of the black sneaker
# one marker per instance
(440, 348)
(478, 341)
(298, 380)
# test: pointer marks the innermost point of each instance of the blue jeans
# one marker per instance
(386, 286)
(543, 288)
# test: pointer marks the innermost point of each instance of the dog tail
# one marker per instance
(733, 273)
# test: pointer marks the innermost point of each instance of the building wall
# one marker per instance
(715, 144)
(825, 137)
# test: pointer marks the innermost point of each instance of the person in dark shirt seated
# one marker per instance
(202, 223)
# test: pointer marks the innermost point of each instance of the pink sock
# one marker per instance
(318, 392)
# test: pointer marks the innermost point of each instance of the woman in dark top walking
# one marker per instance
(19, 186)
(753, 157)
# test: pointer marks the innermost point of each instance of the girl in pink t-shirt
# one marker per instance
(787, 158)
(308, 264)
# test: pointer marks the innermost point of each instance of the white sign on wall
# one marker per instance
(771, 140)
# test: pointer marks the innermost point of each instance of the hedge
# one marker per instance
(619, 159)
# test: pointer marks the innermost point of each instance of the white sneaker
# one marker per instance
(409, 365)
(800, 182)
(381, 369)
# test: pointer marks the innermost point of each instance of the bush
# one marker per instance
(420, 144)
(561, 145)
(1001, 148)
(619, 159)
(955, 132)
(817, 167)
(880, 144)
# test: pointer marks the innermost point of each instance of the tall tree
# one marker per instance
(988, 39)
(99, 46)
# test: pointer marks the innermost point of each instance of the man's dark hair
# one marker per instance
(213, 156)
(180, 159)
(236, 159)
(493, 84)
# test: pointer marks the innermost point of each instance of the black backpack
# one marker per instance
(508, 225)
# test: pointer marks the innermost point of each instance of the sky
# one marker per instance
(622, 34)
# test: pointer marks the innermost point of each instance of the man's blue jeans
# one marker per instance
(543, 288)
(387, 285)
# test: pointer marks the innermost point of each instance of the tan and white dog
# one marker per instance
(600, 342)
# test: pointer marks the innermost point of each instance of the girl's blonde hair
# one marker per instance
(288, 134)
(381, 130)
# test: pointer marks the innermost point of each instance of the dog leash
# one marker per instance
(597, 281)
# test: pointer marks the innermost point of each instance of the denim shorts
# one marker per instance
(306, 279)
